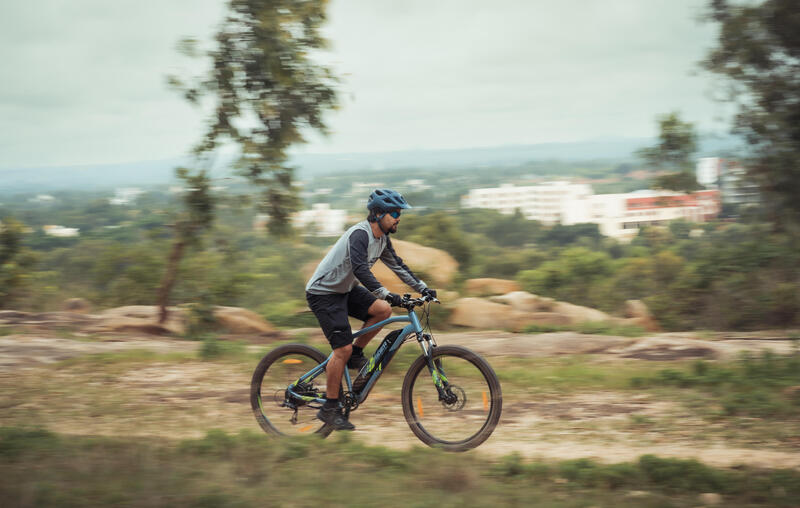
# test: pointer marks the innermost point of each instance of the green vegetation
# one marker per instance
(676, 145)
(763, 387)
(251, 469)
(568, 374)
(732, 276)
(756, 54)
(590, 328)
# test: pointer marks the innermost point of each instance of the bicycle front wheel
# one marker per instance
(273, 375)
(468, 409)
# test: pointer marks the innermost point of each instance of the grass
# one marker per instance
(39, 468)
(131, 356)
(8, 330)
(568, 373)
(589, 328)
(766, 386)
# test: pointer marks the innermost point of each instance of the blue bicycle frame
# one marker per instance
(372, 371)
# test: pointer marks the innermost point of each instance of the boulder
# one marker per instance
(579, 314)
(239, 320)
(480, 313)
(639, 315)
(524, 301)
(144, 319)
(548, 318)
(710, 498)
(436, 267)
(78, 305)
(489, 286)
(141, 319)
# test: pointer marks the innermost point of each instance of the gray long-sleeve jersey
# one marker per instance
(350, 260)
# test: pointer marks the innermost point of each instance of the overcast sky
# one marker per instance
(83, 81)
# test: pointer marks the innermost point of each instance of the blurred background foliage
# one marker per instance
(718, 275)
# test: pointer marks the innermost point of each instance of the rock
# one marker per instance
(480, 313)
(144, 319)
(13, 316)
(635, 309)
(710, 498)
(658, 348)
(792, 393)
(141, 319)
(579, 314)
(639, 315)
(524, 301)
(78, 305)
(436, 267)
(488, 286)
(548, 318)
(239, 320)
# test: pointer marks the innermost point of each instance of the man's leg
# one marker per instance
(335, 370)
(331, 312)
(378, 311)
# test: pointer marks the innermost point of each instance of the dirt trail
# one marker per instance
(185, 398)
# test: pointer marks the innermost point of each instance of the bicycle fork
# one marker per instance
(436, 370)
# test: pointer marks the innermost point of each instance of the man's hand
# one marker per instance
(428, 292)
(394, 300)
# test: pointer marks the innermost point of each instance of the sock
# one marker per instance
(329, 403)
(358, 351)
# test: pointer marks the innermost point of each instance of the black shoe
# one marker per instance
(356, 362)
(333, 416)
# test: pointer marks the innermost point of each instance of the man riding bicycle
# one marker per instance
(333, 292)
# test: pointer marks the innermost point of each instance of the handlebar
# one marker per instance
(409, 303)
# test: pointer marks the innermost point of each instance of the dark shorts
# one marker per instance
(332, 311)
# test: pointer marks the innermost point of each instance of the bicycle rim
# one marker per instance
(272, 377)
(472, 406)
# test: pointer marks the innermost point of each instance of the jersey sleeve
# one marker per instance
(359, 261)
(393, 261)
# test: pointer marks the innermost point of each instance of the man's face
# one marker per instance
(389, 223)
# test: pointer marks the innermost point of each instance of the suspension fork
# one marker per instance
(427, 344)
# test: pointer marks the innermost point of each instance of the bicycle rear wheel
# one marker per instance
(273, 375)
(471, 406)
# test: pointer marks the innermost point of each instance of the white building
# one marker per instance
(708, 171)
(548, 203)
(730, 178)
(125, 196)
(617, 215)
(60, 231)
(321, 220)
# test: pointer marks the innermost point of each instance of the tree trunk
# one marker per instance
(169, 278)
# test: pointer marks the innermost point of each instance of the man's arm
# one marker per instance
(359, 261)
(393, 261)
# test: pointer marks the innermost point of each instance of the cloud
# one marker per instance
(80, 77)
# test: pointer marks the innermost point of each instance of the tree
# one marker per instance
(266, 89)
(197, 216)
(758, 51)
(673, 153)
(15, 262)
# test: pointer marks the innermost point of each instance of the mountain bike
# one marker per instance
(451, 397)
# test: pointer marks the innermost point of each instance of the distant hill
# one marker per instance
(148, 173)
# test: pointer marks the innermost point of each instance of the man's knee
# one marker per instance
(380, 309)
(343, 352)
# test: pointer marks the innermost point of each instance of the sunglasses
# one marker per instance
(395, 214)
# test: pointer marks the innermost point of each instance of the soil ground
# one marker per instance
(55, 380)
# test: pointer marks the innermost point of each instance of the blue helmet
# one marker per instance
(386, 199)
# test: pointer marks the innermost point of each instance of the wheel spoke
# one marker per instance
(277, 371)
(465, 412)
